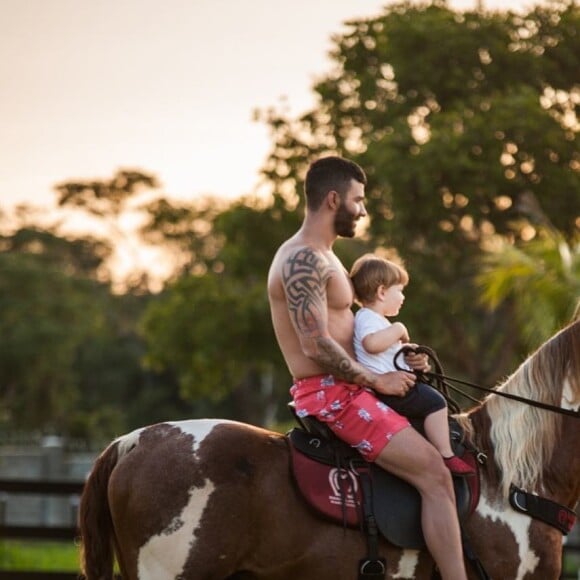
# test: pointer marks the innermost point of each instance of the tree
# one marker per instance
(107, 202)
(116, 390)
(454, 141)
(211, 325)
(45, 316)
(105, 198)
(70, 354)
(81, 256)
(540, 279)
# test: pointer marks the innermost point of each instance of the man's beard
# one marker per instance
(344, 223)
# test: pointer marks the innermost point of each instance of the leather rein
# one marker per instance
(444, 381)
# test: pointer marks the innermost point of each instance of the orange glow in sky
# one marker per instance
(167, 87)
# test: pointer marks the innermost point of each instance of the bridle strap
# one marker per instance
(556, 515)
(445, 380)
(531, 402)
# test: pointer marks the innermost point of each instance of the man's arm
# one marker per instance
(305, 276)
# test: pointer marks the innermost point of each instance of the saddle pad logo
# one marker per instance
(344, 486)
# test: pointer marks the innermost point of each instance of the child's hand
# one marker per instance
(418, 362)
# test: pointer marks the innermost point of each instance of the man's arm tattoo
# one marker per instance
(339, 363)
(305, 276)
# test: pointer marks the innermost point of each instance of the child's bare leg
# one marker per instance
(437, 431)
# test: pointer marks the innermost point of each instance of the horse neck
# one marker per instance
(559, 476)
(562, 476)
(476, 424)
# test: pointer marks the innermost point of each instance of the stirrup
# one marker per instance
(372, 569)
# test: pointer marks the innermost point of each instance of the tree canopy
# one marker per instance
(466, 124)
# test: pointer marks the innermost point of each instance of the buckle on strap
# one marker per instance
(541, 508)
(518, 499)
(481, 457)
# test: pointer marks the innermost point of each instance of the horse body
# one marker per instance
(212, 500)
(215, 500)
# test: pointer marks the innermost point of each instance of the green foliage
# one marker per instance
(541, 279)
(212, 330)
(212, 326)
(466, 124)
(84, 256)
(209, 235)
(45, 316)
(70, 356)
(104, 198)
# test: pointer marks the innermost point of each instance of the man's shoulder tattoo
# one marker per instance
(305, 275)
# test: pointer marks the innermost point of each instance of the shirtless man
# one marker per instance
(310, 300)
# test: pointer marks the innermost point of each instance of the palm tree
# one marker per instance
(541, 279)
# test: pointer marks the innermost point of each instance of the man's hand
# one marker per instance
(395, 383)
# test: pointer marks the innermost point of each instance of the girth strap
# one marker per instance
(372, 567)
(546, 510)
(472, 558)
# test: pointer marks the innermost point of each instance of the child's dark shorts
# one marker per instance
(420, 401)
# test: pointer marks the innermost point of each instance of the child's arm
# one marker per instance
(383, 339)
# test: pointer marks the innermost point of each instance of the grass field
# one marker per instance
(39, 555)
(64, 557)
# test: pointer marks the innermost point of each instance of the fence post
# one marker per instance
(3, 502)
(53, 507)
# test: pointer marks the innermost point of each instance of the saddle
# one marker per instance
(340, 485)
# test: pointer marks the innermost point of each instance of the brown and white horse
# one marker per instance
(215, 500)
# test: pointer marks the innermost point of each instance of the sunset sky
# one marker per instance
(87, 87)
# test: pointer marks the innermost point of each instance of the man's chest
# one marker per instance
(339, 290)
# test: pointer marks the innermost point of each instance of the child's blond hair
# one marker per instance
(371, 271)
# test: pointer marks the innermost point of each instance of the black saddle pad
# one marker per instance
(396, 503)
(397, 507)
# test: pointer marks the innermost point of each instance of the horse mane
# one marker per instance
(523, 437)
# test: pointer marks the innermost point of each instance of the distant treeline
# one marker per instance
(466, 123)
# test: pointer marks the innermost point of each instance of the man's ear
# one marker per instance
(333, 199)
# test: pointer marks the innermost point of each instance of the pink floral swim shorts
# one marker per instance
(351, 411)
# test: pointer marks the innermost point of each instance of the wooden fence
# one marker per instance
(61, 488)
(74, 489)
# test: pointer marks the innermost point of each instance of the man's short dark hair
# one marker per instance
(330, 174)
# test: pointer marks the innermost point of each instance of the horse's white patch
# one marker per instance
(128, 441)
(519, 524)
(408, 563)
(164, 556)
(199, 428)
(568, 401)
